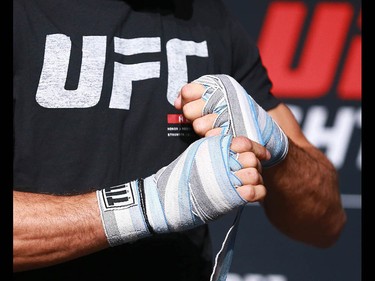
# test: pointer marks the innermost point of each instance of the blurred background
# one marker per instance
(312, 51)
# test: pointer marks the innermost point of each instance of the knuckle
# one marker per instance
(199, 126)
(251, 194)
(242, 143)
(186, 109)
(245, 142)
(253, 174)
(188, 91)
(252, 159)
(185, 91)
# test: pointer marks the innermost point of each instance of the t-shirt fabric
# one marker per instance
(94, 85)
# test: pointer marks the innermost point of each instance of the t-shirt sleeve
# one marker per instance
(247, 66)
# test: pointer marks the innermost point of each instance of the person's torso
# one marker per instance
(94, 86)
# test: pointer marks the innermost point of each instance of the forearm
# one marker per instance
(303, 201)
(51, 229)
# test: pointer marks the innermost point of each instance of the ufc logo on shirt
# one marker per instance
(51, 92)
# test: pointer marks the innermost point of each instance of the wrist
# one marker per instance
(121, 213)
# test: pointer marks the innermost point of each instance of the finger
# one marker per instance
(248, 160)
(193, 109)
(191, 92)
(213, 132)
(178, 102)
(203, 124)
(188, 93)
(252, 193)
(243, 144)
(249, 176)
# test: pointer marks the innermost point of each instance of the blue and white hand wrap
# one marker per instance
(240, 115)
(197, 187)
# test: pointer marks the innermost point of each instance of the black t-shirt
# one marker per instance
(94, 84)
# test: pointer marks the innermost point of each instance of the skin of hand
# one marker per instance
(302, 198)
(51, 229)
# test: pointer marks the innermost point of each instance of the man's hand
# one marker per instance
(191, 103)
(212, 177)
(305, 177)
(227, 106)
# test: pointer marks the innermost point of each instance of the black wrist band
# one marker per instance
(142, 200)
